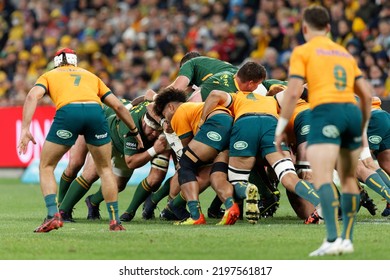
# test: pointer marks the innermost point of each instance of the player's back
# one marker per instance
(69, 84)
(250, 103)
(199, 69)
(329, 69)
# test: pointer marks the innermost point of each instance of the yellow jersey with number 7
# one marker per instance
(328, 68)
(67, 84)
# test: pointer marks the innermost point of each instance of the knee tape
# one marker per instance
(302, 166)
(219, 167)
(238, 175)
(282, 167)
(189, 163)
(160, 162)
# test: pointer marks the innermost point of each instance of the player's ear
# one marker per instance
(328, 28)
(304, 28)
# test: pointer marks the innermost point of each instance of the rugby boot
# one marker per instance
(116, 226)
(231, 216)
(268, 206)
(367, 202)
(67, 217)
(190, 221)
(93, 210)
(126, 217)
(386, 212)
(148, 209)
(50, 223)
(252, 212)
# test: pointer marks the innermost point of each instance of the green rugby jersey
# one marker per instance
(268, 83)
(225, 81)
(108, 111)
(198, 69)
(118, 129)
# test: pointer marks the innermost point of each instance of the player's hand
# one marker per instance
(139, 141)
(306, 175)
(25, 138)
(160, 144)
(279, 140)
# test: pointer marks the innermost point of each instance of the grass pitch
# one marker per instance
(283, 237)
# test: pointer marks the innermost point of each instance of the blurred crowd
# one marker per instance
(133, 45)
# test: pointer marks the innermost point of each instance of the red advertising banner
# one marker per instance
(10, 123)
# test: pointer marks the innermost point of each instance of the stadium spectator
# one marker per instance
(122, 30)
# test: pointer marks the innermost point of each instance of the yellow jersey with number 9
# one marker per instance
(67, 84)
(328, 68)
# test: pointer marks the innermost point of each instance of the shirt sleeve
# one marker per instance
(130, 146)
(297, 64)
(180, 123)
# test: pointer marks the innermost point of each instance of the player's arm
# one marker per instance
(279, 93)
(140, 159)
(150, 95)
(362, 90)
(124, 114)
(186, 141)
(138, 100)
(30, 105)
(181, 82)
(290, 98)
(215, 98)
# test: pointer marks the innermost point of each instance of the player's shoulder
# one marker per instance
(188, 106)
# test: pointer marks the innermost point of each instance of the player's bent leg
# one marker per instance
(218, 174)
(189, 164)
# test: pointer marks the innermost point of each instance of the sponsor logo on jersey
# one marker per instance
(131, 145)
(240, 145)
(305, 129)
(101, 136)
(214, 136)
(331, 131)
(64, 134)
(375, 139)
(357, 139)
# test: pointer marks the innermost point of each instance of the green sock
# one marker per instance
(216, 203)
(330, 206)
(97, 197)
(64, 185)
(162, 192)
(385, 177)
(240, 190)
(376, 183)
(229, 202)
(141, 193)
(194, 207)
(178, 201)
(349, 206)
(77, 190)
(51, 205)
(306, 191)
(112, 208)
